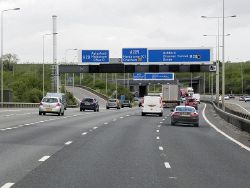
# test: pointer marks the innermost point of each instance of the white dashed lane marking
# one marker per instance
(44, 158)
(161, 148)
(95, 128)
(68, 143)
(84, 133)
(161, 122)
(7, 185)
(157, 138)
(159, 125)
(167, 165)
(157, 130)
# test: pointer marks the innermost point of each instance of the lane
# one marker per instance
(201, 157)
(22, 148)
(245, 105)
(137, 151)
(80, 93)
(122, 154)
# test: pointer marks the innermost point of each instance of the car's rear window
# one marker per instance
(191, 100)
(184, 109)
(112, 100)
(87, 100)
(50, 100)
(126, 101)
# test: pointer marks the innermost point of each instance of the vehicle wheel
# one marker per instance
(107, 108)
(98, 109)
(80, 109)
(44, 113)
(122, 106)
(196, 125)
(83, 109)
(143, 114)
(172, 123)
(59, 113)
(65, 108)
(62, 114)
(40, 113)
(161, 114)
(95, 110)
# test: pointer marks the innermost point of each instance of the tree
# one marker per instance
(9, 60)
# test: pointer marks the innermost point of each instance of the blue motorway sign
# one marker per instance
(95, 56)
(180, 56)
(153, 76)
(130, 55)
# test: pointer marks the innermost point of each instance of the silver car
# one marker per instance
(51, 105)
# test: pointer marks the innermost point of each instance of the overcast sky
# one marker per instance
(115, 24)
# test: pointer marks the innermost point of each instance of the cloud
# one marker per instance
(114, 24)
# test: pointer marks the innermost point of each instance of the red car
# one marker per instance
(192, 102)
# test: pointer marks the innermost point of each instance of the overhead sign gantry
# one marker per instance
(144, 60)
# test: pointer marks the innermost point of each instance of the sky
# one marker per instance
(117, 24)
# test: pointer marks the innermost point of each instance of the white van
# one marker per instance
(152, 105)
(197, 97)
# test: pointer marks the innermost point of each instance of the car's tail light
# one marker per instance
(58, 104)
(194, 114)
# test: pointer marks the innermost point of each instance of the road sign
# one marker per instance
(132, 55)
(180, 56)
(138, 76)
(153, 76)
(95, 56)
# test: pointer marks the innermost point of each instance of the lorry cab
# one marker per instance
(152, 105)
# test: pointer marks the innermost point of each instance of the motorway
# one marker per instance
(118, 148)
(245, 106)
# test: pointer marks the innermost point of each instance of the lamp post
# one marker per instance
(44, 35)
(2, 13)
(73, 84)
(217, 43)
(223, 56)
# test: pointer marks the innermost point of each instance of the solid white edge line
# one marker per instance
(167, 165)
(221, 132)
(68, 143)
(8, 185)
(44, 158)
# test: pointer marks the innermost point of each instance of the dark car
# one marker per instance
(191, 102)
(185, 115)
(231, 96)
(242, 98)
(89, 104)
(126, 103)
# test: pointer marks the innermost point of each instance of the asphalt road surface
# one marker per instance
(116, 148)
(243, 104)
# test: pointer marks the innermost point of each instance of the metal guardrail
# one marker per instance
(95, 92)
(240, 122)
(20, 105)
(27, 105)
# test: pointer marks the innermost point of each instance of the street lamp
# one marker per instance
(2, 51)
(217, 42)
(223, 56)
(70, 49)
(44, 35)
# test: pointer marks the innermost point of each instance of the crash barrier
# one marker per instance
(26, 105)
(20, 105)
(240, 122)
(95, 92)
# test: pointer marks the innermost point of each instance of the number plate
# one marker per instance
(48, 109)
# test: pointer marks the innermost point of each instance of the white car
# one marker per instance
(197, 97)
(152, 105)
(247, 98)
(51, 105)
(226, 97)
